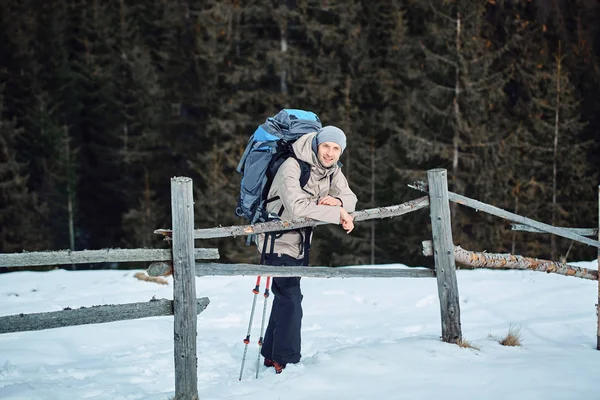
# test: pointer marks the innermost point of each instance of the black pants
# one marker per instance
(282, 338)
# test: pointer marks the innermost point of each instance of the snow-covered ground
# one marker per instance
(362, 339)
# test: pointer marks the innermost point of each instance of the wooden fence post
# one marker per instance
(443, 251)
(184, 290)
(598, 302)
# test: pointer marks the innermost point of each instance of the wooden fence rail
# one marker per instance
(598, 302)
(578, 231)
(218, 269)
(510, 261)
(180, 261)
(498, 212)
(277, 226)
(42, 258)
(91, 315)
(575, 234)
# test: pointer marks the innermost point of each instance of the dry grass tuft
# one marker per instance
(465, 344)
(142, 276)
(512, 338)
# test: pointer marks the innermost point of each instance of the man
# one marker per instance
(326, 197)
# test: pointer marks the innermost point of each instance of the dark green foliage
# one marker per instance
(21, 213)
(106, 101)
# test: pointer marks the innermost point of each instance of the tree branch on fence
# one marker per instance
(510, 261)
(91, 315)
(276, 226)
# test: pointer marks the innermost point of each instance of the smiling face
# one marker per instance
(329, 153)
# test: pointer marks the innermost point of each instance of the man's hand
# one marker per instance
(330, 201)
(347, 220)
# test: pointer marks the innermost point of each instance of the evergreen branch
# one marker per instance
(435, 56)
(442, 15)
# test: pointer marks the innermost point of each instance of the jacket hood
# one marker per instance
(303, 148)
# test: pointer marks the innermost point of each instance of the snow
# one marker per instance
(369, 338)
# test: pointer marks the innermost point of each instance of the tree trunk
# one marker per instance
(502, 261)
(514, 235)
(347, 127)
(457, 128)
(70, 191)
(555, 150)
(284, 48)
(372, 198)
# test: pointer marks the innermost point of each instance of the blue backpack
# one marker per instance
(268, 147)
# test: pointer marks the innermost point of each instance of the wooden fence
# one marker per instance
(97, 314)
(185, 306)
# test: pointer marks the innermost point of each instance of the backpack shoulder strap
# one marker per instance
(304, 171)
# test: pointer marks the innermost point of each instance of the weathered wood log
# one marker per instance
(598, 268)
(91, 315)
(216, 269)
(578, 231)
(31, 259)
(204, 269)
(445, 268)
(498, 212)
(510, 261)
(275, 226)
(184, 289)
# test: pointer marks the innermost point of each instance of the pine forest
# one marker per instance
(102, 102)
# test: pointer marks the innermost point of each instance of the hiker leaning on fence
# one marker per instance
(326, 197)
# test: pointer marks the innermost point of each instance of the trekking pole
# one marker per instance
(262, 324)
(247, 340)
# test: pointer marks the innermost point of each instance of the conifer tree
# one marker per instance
(458, 120)
(326, 52)
(21, 213)
(50, 124)
(39, 52)
(236, 88)
(395, 81)
(101, 196)
(565, 182)
(141, 111)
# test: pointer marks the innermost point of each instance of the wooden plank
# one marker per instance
(477, 205)
(184, 289)
(31, 259)
(598, 268)
(274, 226)
(216, 269)
(445, 268)
(578, 231)
(91, 315)
(509, 261)
(498, 212)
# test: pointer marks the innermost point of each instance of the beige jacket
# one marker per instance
(300, 202)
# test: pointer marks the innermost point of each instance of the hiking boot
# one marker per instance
(268, 363)
(278, 367)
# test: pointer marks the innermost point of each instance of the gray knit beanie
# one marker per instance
(331, 134)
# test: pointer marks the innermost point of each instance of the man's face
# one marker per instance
(328, 153)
